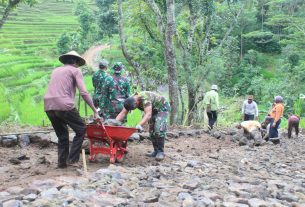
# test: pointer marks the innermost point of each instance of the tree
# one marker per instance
(202, 37)
(165, 18)
(10, 5)
(106, 18)
(85, 35)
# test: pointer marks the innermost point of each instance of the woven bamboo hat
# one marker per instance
(64, 57)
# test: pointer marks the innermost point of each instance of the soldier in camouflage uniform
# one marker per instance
(156, 110)
(122, 87)
(104, 91)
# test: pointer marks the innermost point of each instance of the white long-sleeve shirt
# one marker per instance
(250, 109)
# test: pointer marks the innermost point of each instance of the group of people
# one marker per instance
(269, 127)
(112, 100)
(110, 91)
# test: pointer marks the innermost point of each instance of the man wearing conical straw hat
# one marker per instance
(60, 107)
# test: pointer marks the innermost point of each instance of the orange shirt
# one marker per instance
(277, 111)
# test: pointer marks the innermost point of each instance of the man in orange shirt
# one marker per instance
(276, 114)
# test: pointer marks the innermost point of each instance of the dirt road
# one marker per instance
(92, 55)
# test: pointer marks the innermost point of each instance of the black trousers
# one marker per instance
(212, 118)
(248, 117)
(292, 125)
(60, 121)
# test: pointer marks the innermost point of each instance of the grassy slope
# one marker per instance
(27, 56)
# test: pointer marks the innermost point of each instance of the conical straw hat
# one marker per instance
(72, 53)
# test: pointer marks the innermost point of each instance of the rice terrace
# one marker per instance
(28, 44)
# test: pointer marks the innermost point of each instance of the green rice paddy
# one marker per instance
(27, 56)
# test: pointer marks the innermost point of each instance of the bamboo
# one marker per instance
(84, 163)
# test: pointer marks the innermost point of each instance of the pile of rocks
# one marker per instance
(25, 139)
(215, 174)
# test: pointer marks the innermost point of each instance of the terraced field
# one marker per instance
(27, 55)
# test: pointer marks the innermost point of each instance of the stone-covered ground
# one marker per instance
(199, 170)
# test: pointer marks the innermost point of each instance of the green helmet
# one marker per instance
(118, 67)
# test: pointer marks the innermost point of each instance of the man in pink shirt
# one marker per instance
(60, 109)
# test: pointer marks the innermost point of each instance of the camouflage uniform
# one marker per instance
(104, 93)
(158, 121)
(122, 87)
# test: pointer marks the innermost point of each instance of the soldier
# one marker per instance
(104, 91)
(122, 87)
(156, 110)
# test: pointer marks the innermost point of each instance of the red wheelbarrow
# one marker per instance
(108, 140)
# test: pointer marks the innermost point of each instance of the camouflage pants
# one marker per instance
(157, 130)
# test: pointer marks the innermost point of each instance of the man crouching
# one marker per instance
(156, 110)
(252, 130)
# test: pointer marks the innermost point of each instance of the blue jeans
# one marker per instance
(273, 132)
(248, 117)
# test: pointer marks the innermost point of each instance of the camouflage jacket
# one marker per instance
(122, 87)
(104, 92)
(158, 102)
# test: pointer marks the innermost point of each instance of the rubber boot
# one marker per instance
(160, 143)
(154, 153)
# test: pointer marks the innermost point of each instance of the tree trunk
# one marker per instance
(192, 106)
(170, 58)
(182, 104)
(129, 59)
(11, 4)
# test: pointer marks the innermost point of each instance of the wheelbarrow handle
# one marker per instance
(99, 121)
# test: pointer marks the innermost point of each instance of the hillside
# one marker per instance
(27, 55)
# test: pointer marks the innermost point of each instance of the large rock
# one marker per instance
(205, 202)
(13, 203)
(243, 141)
(30, 197)
(49, 194)
(172, 134)
(24, 140)
(134, 137)
(9, 141)
(216, 134)
(14, 190)
(42, 139)
(287, 197)
(188, 202)
(190, 184)
(257, 137)
(255, 202)
(151, 196)
(232, 204)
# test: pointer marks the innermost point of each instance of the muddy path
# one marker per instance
(92, 55)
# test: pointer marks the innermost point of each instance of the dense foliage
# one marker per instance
(244, 46)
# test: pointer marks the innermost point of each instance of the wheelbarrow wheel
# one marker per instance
(121, 157)
(120, 154)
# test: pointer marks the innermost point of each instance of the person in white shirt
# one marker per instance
(249, 109)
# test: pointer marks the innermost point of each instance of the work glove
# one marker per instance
(139, 128)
